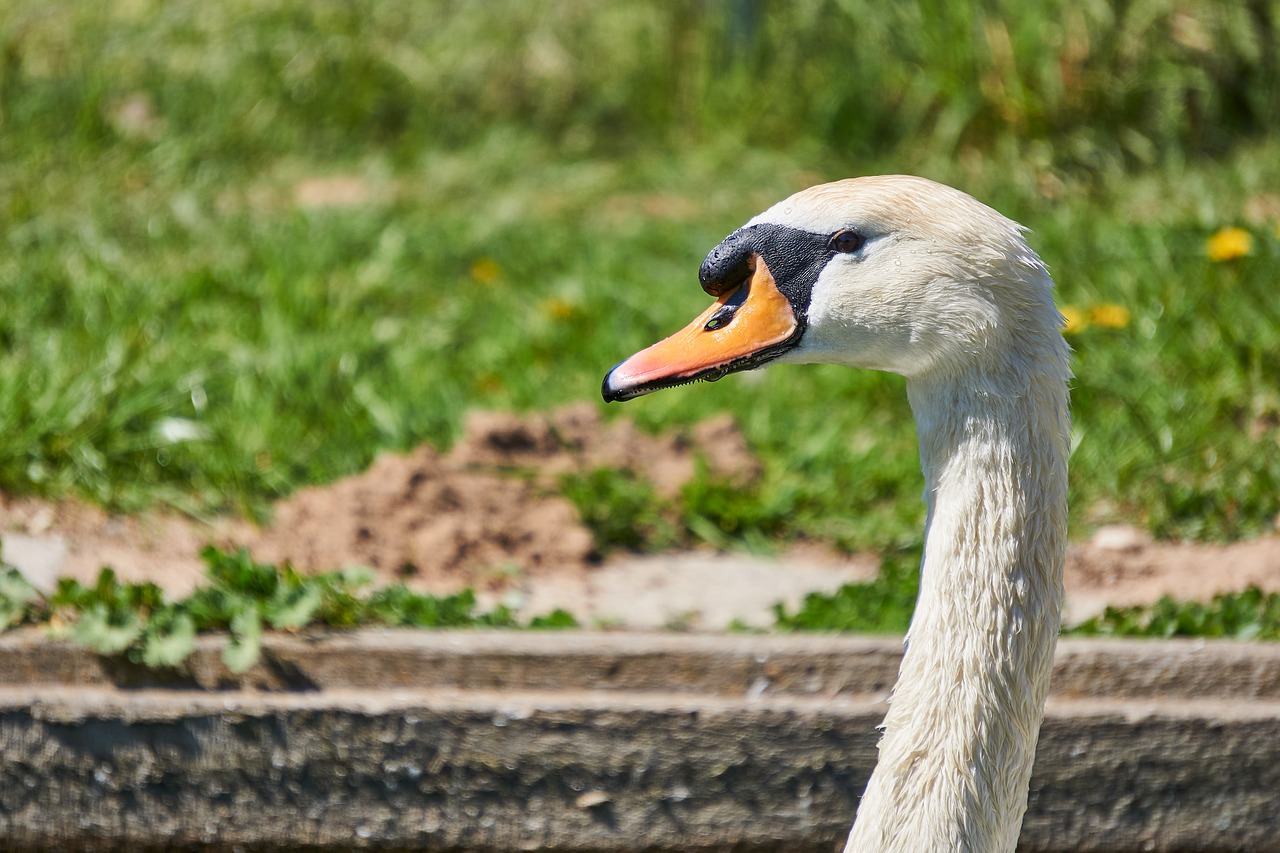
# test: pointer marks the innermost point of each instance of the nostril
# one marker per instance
(720, 319)
(729, 309)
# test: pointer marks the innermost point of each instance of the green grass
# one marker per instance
(240, 598)
(879, 606)
(621, 510)
(542, 182)
(1247, 615)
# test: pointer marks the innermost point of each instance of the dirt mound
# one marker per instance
(420, 514)
(487, 507)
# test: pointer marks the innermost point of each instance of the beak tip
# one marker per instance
(609, 391)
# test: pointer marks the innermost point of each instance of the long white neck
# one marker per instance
(960, 735)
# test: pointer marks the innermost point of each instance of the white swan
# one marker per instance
(902, 274)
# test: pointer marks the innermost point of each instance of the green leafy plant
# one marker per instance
(17, 598)
(169, 637)
(880, 606)
(1247, 615)
(242, 598)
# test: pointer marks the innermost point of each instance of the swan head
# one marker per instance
(892, 273)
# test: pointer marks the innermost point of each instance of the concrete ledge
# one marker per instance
(493, 741)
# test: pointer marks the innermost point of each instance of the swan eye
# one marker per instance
(846, 242)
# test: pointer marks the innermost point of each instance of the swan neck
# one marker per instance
(960, 735)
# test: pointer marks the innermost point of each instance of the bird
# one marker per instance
(902, 274)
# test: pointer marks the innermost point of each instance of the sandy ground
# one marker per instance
(485, 516)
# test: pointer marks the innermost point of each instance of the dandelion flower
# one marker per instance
(1074, 320)
(558, 309)
(1108, 315)
(1228, 244)
(486, 270)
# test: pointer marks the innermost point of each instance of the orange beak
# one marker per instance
(747, 326)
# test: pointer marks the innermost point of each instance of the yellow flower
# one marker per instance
(1228, 244)
(486, 270)
(1074, 320)
(558, 309)
(1108, 315)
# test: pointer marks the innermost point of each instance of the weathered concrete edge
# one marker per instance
(735, 665)
(498, 741)
(495, 771)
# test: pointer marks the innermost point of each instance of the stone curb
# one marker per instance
(504, 741)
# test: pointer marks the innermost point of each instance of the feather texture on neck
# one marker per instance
(961, 731)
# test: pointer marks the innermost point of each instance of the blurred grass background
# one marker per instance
(250, 244)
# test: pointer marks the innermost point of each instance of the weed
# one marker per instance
(241, 598)
(879, 606)
(1247, 615)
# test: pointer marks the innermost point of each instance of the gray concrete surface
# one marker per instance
(491, 741)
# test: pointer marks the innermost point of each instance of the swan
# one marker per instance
(902, 274)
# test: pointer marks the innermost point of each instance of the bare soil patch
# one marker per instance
(1121, 566)
(488, 509)
(487, 515)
